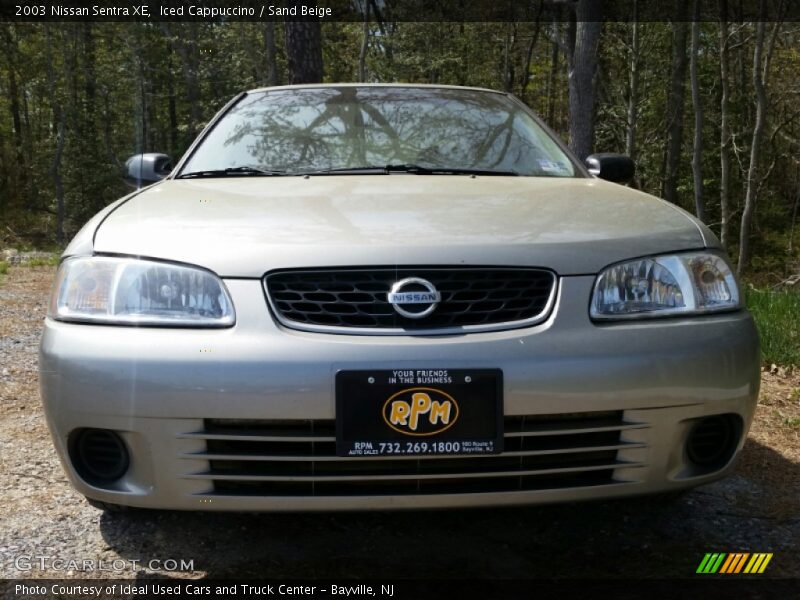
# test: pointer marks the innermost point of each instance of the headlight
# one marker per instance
(127, 291)
(665, 285)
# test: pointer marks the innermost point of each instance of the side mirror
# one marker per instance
(611, 167)
(144, 169)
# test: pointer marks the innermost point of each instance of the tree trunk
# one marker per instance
(186, 44)
(675, 110)
(793, 222)
(55, 167)
(107, 130)
(386, 34)
(272, 55)
(191, 65)
(697, 155)
(19, 177)
(760, 76)
(90, 83)
(633, 86)
(724, 129)
(758, 131)
(172, 110)
(55, 170)
(582, 64)
(304, 51)
(508, 63)
(13, 92)
(140, 105)
(362, 55)
(551, 85)
(526, 72)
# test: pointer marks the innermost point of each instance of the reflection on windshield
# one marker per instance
(318, 129)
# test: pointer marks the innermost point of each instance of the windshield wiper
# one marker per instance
(408, 168)
(233, 171)
(420, 170)
(371, 170)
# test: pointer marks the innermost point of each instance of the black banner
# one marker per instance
(545, 11)
(145, 589)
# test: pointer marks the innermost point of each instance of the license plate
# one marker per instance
(418, 412)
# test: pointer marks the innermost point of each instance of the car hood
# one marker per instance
(245, 226)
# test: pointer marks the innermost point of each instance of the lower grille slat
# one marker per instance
(344, 460)
(407, 476)
(413, 487)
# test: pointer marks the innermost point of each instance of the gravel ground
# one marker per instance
(756, 509)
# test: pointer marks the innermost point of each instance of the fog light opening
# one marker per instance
(712, 441)
(99, 455)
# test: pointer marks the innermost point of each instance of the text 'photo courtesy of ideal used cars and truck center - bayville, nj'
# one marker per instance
(352, 296)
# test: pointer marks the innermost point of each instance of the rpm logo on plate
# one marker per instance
(420, 411)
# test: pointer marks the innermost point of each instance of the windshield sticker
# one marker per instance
(552, 166)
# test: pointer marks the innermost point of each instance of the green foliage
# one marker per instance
(3, 267)
(50, 261)
(777, 316)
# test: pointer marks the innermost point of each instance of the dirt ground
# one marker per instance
(757, 509)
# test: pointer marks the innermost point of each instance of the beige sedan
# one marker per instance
(391, 296)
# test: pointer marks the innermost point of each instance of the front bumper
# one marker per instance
(645, 381)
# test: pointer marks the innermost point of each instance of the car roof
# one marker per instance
(308, 86)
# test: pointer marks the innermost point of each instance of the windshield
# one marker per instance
(361, 128)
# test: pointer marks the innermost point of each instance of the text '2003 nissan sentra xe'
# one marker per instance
(391, 296)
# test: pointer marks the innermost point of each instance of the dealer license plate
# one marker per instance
(419, 412)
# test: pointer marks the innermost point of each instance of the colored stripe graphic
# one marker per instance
(717, 563)
(758, 563)
(711, 562)
(755, 562)
(734, 563)
(727, 564)
(741, 562)
(765, 563)
(703, 563)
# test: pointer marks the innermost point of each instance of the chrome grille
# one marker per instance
(473, 298)
(298, 458)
